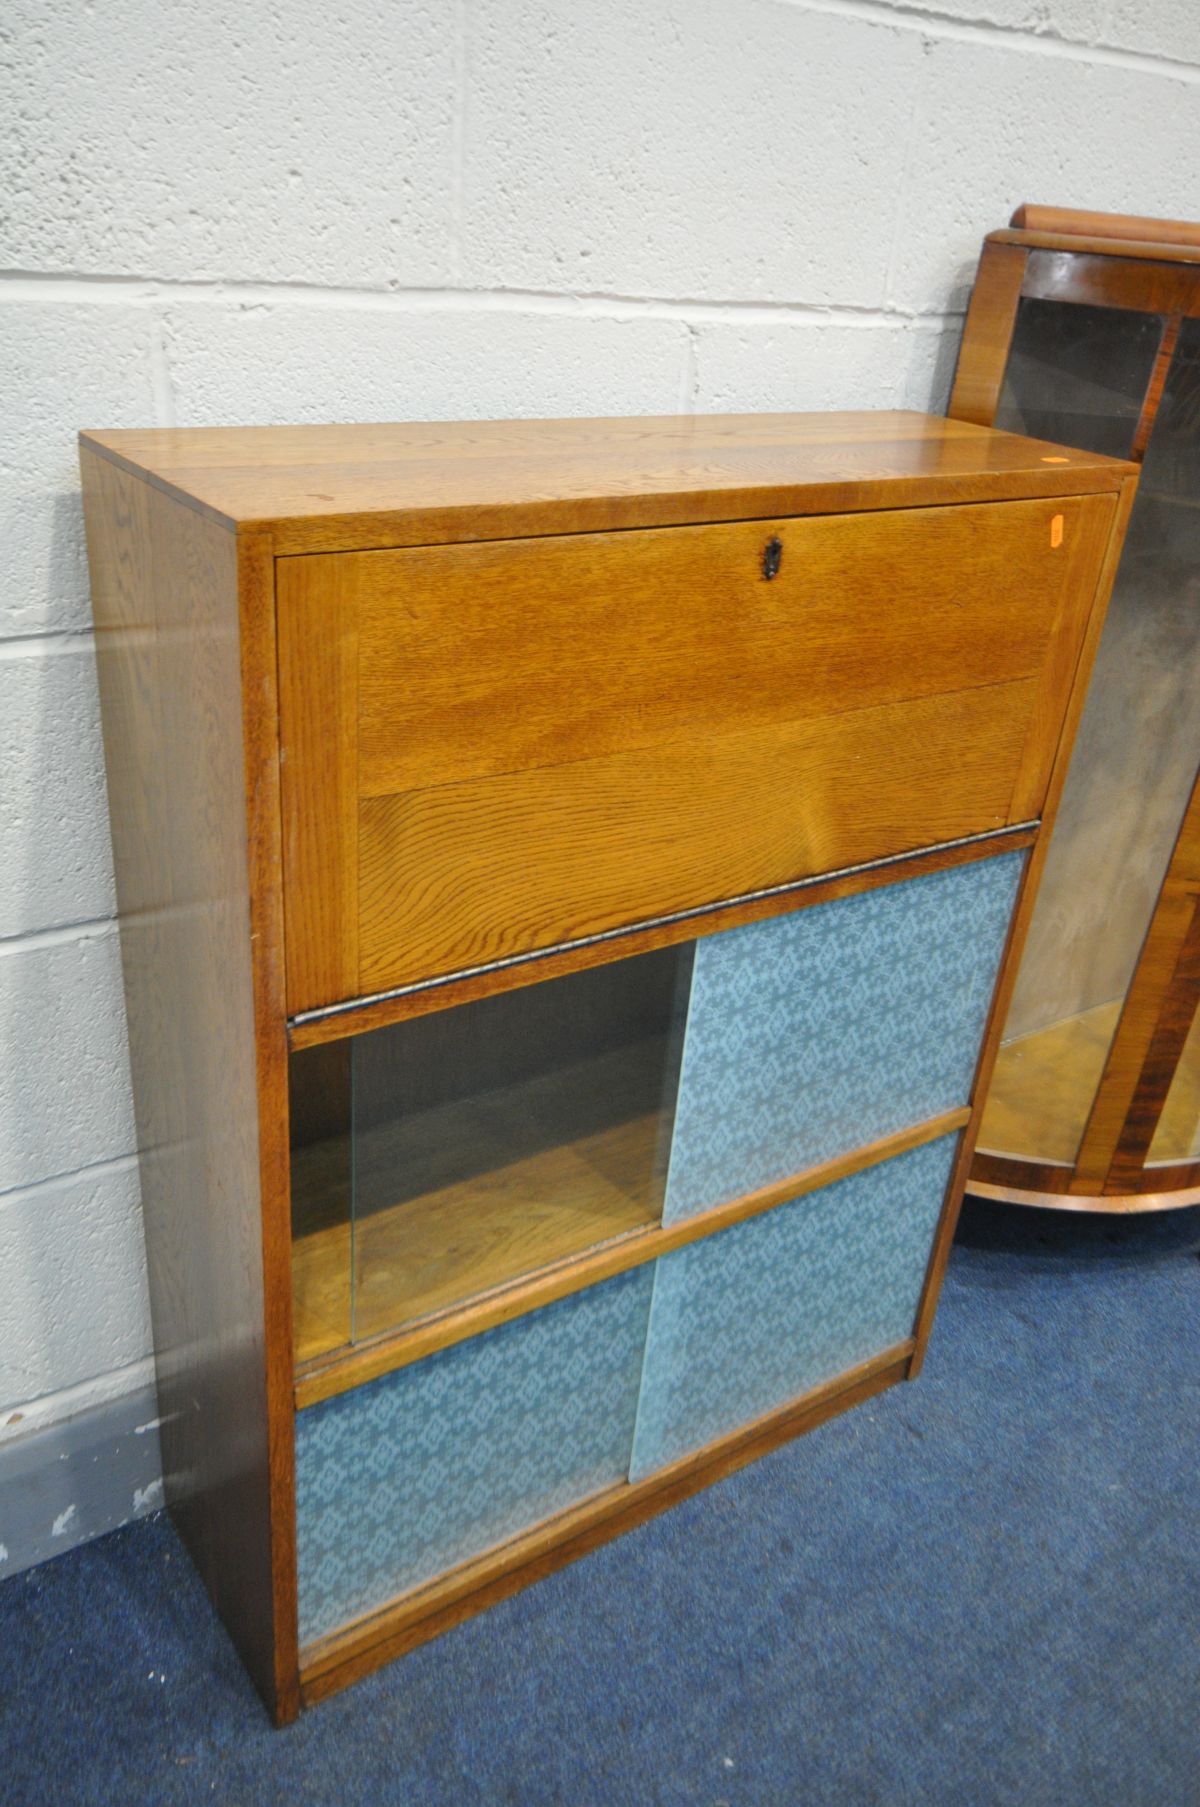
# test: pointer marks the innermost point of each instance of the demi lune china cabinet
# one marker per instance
(1086, 328)
(570, 877)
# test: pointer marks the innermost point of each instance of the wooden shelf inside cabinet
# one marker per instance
(571, 875)
(483, 1191)
(1043, 1081)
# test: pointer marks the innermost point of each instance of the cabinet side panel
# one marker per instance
(165, 597)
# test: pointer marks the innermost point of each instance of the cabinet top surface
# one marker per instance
(317, 488)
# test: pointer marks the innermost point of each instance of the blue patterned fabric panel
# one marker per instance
(751, 1318)
(814, 1033)
(402, 1479)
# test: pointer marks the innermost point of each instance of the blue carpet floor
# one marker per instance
(983, 1588)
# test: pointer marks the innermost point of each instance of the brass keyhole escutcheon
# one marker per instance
(772, 557)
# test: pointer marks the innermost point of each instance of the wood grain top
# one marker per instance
(324, 488)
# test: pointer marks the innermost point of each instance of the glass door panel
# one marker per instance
(1135, 757)
(815, 1033)
(748, 1319)
(441, 1158)
(319, 1119)
(474, 1145)
(404, 1478)
(1078, 375)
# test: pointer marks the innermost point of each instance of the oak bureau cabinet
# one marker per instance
(571, 874)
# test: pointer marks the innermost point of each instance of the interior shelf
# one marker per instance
(1044, 1085)
(482, 1190)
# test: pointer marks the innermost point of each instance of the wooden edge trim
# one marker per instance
(1142, 250)
(1128, 1204)
(1077, 597)
(324, 1377)
(1083, 278)
(1079, 222)
(308, 1029)
(1018, 927)
(987, 334)
(317, 630)
(1172, 1181)
(1154, 388)
(260, 729)
(1005, 1172)
(346, 1655)
(295, 536)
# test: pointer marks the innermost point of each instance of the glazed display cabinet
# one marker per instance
(1086, 328)
(570, 878)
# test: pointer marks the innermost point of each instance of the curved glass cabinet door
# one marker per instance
(1080, 375)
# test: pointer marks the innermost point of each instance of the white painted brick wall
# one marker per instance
(72, 1251)
(347, 359)
(374, 209)
(62, 364)
(55, 854)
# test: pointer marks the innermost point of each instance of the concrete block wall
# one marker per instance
(389, 209)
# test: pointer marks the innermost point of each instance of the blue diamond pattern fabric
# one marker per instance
(807, 1036)
(408, 1476)
(812, 1034)
(749, 1319)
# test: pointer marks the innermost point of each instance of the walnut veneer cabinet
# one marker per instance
(570, 876)
(1086, 327)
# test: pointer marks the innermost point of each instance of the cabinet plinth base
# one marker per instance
(1118, 1204)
